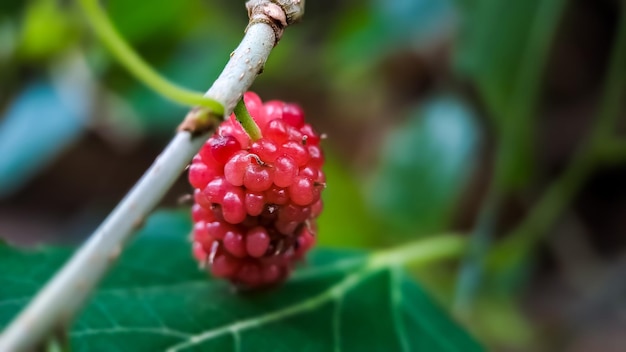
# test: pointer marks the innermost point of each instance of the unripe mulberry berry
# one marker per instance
(256, 201)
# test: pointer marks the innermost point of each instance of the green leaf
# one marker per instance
(425, 165)
(157, 299)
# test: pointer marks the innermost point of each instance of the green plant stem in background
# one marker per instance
(516, 138)
(514, 144)
(481, 237)
(516, 247)
(137, 66)
(246, 121)
(419, 252)
(612, 151)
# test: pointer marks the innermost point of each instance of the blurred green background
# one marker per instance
(419, 98)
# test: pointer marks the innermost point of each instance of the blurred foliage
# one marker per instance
(368, 35)
(503, 49)
(149, 21)
(345, 221)
(47, 30)
(425, 165)
(493, 46)
(57, 126)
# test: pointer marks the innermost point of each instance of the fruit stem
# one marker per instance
(137, 66)
(246, 121)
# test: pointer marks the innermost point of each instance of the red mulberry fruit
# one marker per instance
(256, 201)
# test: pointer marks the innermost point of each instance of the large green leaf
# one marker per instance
(157, 299)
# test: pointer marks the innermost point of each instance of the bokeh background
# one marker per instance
(412, 95)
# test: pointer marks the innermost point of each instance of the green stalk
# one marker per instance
(246, 121)
(419, 252)
(137, 66)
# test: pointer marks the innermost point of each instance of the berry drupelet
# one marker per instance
(256, 201)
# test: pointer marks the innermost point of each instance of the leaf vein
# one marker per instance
(129, 330)
(337, 324)
(332, 293)
(16, 300)
(395, 295)
(105, 313)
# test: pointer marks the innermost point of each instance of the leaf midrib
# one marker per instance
(333, 293)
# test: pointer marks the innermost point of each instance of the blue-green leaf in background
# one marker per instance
(416, 23)
(425, 165)
(43, 120)
(35, 129)
(157, 299)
